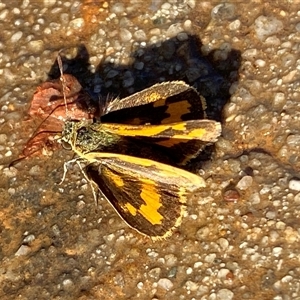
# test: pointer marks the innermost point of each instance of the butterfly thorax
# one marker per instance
(87, 137)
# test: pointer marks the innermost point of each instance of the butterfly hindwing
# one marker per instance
(148, 195)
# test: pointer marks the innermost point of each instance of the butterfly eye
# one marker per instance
(66, 145)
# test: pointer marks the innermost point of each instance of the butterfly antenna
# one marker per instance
(63, 81)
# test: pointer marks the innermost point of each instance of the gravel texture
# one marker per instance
(240, 238)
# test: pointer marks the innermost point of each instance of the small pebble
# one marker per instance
(223, 273)
(171, 260)
(192, 286)
(76, 23)
(10, 172)
(174, 30)
(294, 184)
(112, 74)
(291, 235)
(266, 26)
(11, 191)
(271, 215)
(125, 35)
(172, 273)
(49, 3)
(210, 257)
(127, 82)
(23, 250)
(198, 264)
(119, 279)
(140, 35)
(139, 65)
(224, 11)
(279, 100)
(155, 273)
(235, 25)
(8, 153)
(290, 77)
(245, 183)
(223, 243)
(118, 8)
(165, 283)
(36, 46)
(277, 251)
(224, 294)
(68, 284)
(260, 63)
(231, 196)
(29, 238)
(3, 14)
(297, 199)
(3, 138)
(182, 36)
(287, 278)
(140, 285)
(293, 140)
(35, 170)
(16, 36)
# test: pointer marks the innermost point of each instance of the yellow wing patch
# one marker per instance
(153, 202)
(204, 130)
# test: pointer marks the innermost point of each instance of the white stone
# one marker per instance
(165, 283)
(266, 26)
(244, 183)
(277, 251)
(225, 294)
(16, 36)
(294, 184)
